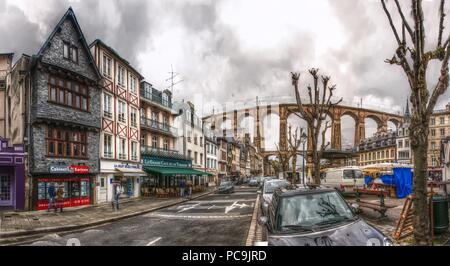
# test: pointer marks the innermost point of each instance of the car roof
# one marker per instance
(302, 190)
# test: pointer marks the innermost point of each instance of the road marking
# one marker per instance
(154, 241)
(222, 201)
(211, 207)
(198, 216)
(184, 208)
(234, 206)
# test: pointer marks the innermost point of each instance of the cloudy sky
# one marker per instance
(228, 51)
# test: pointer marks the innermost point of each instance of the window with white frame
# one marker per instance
(107, 146)
(106, 66)
(134, 149)
(107, 105)
(155, 142)
(121, 75)
(122, 148)
(121, 112)
(133, 117)
(133, 84)
(166, 144)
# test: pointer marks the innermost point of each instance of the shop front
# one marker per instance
(129, 176)
(12, 177)
(167, 173)
(76, 181)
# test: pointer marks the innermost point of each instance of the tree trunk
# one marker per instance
(419, 132)
(316, 165)
(294, 170)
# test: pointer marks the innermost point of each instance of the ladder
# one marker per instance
(405, 223)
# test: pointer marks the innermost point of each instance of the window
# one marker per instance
(133, 84)
(133, 117)
(70, 52)
(155, 142)
(201, 158)
(190, 154)
(165, 99)
(106, 66)
(122, 149)
(66, 50)
(107, 146)
(201, 141)
(107, 106)
(68, 93)
(121, 111)
(121, 75)
(134, 155)
(195, 139)
(166, 144)
(400, 143)
(442, 120)
(406, 143)
(442, 132)
(392, 153)
(433, 121)
(143, 139)
(189, 136)
(433, 132)
(165, 122)
(433, 145)
(66, 143)
(195, 157)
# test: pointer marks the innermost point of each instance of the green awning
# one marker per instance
(170, 171)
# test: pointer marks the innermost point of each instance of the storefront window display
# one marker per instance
(76, 191)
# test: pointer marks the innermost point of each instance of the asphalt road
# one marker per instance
(213, 220)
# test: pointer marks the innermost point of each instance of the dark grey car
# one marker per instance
(226, 187)
(316, 217)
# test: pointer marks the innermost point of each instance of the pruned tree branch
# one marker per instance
(404, 22)
(441, 22)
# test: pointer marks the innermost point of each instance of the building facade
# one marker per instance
(212, 161)
(191, 140)
(222, 158)
(439, 130)
(381, 148)
(404, 152)
(5, 69)
(120, 126)
(59, 121)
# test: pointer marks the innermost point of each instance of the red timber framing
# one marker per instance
(112, 126)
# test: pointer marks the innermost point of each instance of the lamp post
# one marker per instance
(303, 139)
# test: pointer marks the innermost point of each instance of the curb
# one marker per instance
(253, 226)
(104, 221)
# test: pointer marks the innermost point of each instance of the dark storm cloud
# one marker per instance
(18, 34)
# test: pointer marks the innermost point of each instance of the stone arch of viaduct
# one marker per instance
(283, 111)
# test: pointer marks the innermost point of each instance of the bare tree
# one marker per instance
(315, 113)
(283, 157)
(294, 142)
(412, 57)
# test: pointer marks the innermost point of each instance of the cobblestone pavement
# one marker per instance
(25, 223)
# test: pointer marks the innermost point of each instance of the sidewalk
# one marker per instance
(15, 224)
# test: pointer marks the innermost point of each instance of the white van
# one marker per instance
(343, 178)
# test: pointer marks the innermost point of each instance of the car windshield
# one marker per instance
(224, 184)
(270, 187)
(312, 211)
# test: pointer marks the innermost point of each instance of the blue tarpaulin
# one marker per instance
(401, 179)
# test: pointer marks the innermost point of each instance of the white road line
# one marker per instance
(154, 241)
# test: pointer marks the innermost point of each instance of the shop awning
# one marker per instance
(170, 171)
(131, 172)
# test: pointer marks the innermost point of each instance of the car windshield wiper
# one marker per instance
(337, 219)
(298, 227)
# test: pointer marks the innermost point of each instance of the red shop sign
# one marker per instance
(80, 169)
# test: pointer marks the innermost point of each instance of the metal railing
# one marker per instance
(155, 98)
(155, 125)
(149, 150)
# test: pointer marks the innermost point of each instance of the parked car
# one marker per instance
(253, 183)
(226, 187)
(342, 178)
(316, 217)
(270, 186)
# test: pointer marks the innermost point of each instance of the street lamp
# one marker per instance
(303, 139)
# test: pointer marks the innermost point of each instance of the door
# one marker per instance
(5, 190)
(101, 189)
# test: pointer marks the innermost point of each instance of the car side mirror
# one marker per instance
(263, 220)
(355, 207)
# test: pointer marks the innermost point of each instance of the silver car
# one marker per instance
(270, 186)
